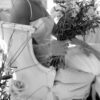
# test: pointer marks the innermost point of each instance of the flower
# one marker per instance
(77, 21)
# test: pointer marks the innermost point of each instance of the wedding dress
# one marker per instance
(82, 67)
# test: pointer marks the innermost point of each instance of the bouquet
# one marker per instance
(77, 22)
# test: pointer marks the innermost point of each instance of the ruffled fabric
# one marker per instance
(79, 59)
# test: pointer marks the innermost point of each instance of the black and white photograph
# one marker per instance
(49, 49)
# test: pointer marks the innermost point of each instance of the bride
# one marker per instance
(80, 67)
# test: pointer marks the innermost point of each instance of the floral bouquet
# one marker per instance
(77, 22)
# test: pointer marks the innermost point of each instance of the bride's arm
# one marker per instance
(86, 47)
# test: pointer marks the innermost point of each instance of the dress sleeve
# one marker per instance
(20, 12)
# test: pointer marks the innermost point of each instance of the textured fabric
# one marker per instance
(33, 81)
(83, 59)
(72, 84)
